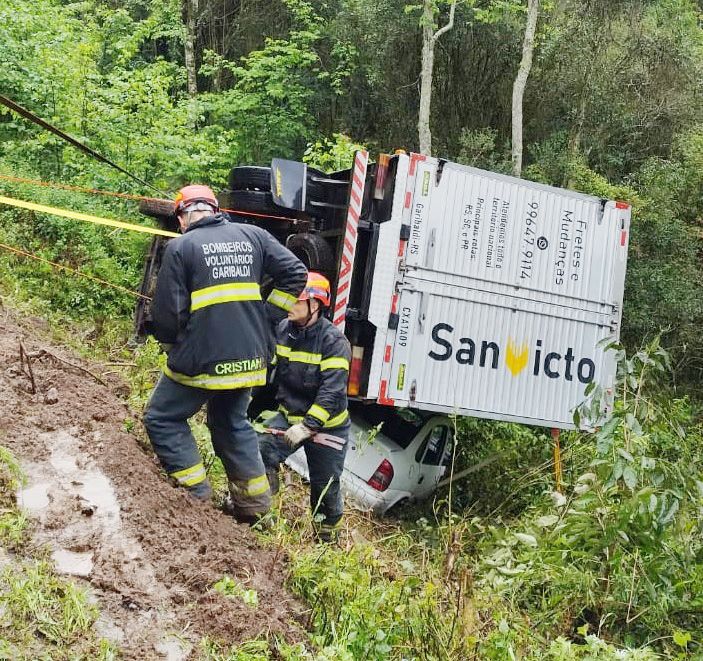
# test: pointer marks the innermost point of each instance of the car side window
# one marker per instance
(448, 449)
(431, 452)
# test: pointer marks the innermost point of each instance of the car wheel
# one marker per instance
(313, 251)
(396, 507)
(250, 178)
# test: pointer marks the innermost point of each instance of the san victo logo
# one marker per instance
(516, 356)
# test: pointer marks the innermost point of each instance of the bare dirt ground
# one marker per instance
(146, 551)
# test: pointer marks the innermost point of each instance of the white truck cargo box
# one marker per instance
(501, 293)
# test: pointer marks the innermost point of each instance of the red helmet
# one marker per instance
(190, 195)
(317, 287)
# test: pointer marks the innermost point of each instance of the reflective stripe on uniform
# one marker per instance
(257, 485)
(234, 291)
(292, 419)
(212, 382)
(298, 356)
(318, 412)
(334, 363)
(338, 419)
(189, 477)
(331, 526)
(282, 299)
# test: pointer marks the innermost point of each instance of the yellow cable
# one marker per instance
(74, 215)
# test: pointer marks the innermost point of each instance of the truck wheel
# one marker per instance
(250, 178)
(313, 251)
(254, 201)
(327, 192)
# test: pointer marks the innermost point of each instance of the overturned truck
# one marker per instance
(461, 291)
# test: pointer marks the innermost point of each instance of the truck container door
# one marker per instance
(507, 295)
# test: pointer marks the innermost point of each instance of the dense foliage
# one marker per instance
(612, 108)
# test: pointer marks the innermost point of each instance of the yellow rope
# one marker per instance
(75, 215)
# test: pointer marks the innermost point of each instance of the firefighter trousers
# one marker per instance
(325, 454)
(233, 438)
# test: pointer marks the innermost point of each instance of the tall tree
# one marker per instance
(430, 35)
(528, 46)
(190, 9)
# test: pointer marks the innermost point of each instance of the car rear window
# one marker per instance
(400, 425)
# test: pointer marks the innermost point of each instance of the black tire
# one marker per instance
(396, 510)
(313, 251)
(250, 178)
(254, 178)
(152, 265)
(254, 201)
(327, 192)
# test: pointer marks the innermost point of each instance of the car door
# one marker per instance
(431, 458)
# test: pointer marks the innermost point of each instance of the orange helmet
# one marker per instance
(192, 195)
(317, 287)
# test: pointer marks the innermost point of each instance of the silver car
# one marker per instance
(395, 456)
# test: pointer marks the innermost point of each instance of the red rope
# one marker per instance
(126, 196)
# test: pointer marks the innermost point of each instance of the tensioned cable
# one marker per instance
(128, 196)
(24, 253)
(27, 114)
(76, 189)
(74, 215)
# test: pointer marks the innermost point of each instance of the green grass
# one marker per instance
(13, 530)
(46, 617)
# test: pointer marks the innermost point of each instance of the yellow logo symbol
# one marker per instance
(278, 182)
(516, 358)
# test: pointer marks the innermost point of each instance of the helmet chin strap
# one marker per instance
(309, 318)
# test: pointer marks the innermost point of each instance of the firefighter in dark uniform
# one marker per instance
(312, 369)
(208, 308)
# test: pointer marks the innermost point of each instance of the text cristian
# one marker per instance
(487, 354)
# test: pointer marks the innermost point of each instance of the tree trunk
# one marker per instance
(429, 38)
(423, 121)
(528, 46)
(191, 12)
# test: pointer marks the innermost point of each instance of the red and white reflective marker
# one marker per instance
(356, 197)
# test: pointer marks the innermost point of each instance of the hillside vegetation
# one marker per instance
(504, 565)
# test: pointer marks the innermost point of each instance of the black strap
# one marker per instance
(64, 136)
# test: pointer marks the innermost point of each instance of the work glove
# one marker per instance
(296, 435)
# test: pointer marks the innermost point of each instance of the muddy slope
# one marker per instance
(148, 552)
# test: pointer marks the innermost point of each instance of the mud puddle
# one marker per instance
(148, 553)
(78, 516)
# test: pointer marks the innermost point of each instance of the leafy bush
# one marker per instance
(620, 550)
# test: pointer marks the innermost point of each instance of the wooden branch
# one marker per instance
(521, 82)
(472, 469)
(24, 358)
(448, 26)
(44, 352)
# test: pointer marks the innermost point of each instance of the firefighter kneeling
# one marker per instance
(312, 368)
